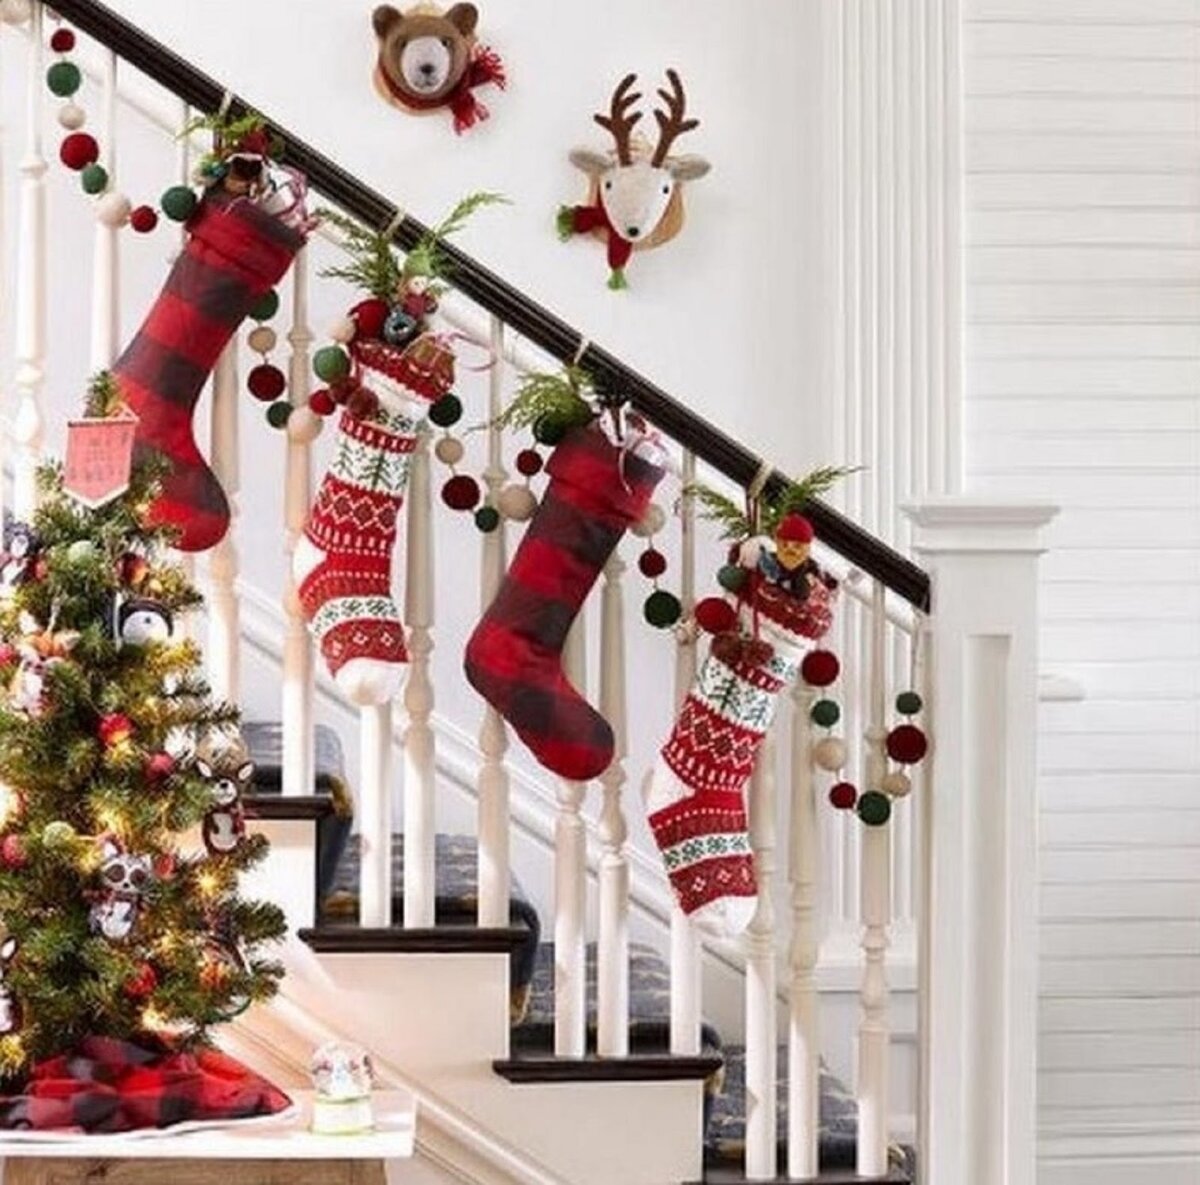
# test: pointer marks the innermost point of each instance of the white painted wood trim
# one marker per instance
(224, 628)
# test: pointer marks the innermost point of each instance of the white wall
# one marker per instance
(1083, 378)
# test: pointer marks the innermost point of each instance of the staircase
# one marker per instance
(547, 1004)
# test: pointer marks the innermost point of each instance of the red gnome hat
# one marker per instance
(795, 528)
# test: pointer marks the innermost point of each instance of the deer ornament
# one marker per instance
(635, 198)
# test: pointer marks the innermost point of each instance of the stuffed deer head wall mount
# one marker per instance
(635, 195)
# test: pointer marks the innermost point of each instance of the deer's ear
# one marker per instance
(7, 949)
(384, 19)
(245, 772)
(464, 17)
(110, 849)
(203, 768)
(589, 161)
(688, 168)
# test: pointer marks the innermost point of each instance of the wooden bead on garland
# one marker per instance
(516, 502)
(303, 426)
(662, 608)
(896, 783)
(113, 209)
(266, 382)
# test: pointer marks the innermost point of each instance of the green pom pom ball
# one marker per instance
(662, 609)
(731, 577)
(266, 306)
(826, 713)
(178, 203)
(278, 413)
(487, 519)
(64, 79)
(94, 179)
(331, 364)
(549, 431)
(447, 411)
(908, 703)
(874, 808)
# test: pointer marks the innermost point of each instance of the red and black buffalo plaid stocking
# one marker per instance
(235, 253)
(514, 657)
(696, 791)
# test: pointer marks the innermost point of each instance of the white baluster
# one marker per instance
(875, 911)
(761, 1123)
(612, 956)
(493, 782)
(570, 884)
(804, 1053)
(27, 425)
(223, 612)
(685, 940)
(106, 264)
(297, 697)
(375, 817)
(4, 309)
(419, 754)
(183, 155)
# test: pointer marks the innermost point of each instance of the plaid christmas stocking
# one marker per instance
(695, 796)
(343, 563)
(235, 253)
(514, 657)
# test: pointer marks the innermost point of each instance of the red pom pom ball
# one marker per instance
(115, 728)
(461, 493)
(79, 150)
(843, 795)
(652, 563)
(160, 766)
(266, 382)
(139, 985)
(12, 852)
(144, 219)
(715, 615)
(906, 744)
(369, 316)
(322, 403)
(529, 462)
(820, 668)
(62, 41)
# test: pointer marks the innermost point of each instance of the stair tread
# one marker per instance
(661, 1067)
(342, 938)
(290, 806)
(264, 739)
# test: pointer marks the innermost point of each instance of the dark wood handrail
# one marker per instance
(859, 547)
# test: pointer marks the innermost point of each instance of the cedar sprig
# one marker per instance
(732, 518)
(563, 397)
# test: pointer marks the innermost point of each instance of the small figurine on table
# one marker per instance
(342, 1078)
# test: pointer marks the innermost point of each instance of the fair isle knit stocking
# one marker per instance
(695, 796)
(343, 563)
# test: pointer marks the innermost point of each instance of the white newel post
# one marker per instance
(419, 748)
(28, 422)
(493, 783)
(978, 908)
(297, 690)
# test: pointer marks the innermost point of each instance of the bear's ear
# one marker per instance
(385, 18)
(464, 17)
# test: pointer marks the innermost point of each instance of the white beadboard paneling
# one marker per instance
(1121, 1014)
(1162, 14)
(1066, 940)
(1083, 380)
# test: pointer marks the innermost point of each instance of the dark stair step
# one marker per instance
(654, 1067)
(344, 938)
(728, 1175)
(300, 807)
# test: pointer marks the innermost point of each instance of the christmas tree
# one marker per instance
(121, 836)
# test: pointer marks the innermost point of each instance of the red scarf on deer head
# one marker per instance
(485, 67)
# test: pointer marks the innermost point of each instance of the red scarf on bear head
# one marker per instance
(485, 67)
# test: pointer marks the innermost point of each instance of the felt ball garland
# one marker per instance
(79, 151)
(461, 491)
(266, 381)
(662, 609)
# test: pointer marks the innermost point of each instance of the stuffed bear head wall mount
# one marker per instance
(429, 59)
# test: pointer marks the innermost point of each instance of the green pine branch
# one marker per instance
(563, 397)
(732, 517)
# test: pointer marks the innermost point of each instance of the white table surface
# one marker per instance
(273, 1137)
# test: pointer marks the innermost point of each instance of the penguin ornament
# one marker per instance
(140, 621)
(223, 761)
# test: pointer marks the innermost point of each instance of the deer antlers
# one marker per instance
(620, 120)
(671, 124)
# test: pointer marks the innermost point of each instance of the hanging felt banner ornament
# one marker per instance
(635, 189)
(430, 59)
(99, 457)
